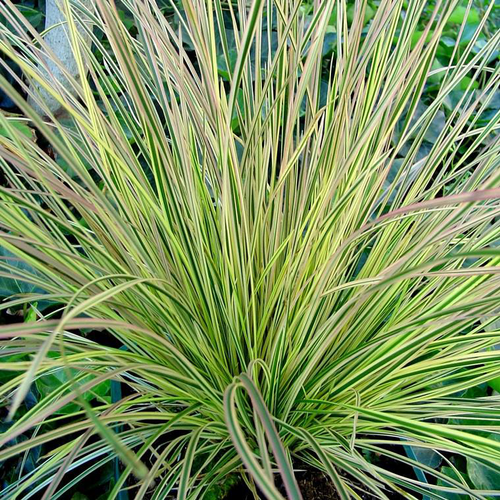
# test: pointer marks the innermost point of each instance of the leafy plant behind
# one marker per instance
(292, 278)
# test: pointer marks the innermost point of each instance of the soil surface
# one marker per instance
(313, 484)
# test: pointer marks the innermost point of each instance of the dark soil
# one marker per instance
(313, 484)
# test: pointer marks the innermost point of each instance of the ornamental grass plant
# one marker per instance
(276, 272)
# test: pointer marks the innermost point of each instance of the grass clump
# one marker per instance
(291, 276)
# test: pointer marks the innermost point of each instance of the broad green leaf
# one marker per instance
(20, 125)
(482, 476)
(50, 382)
(459, 13)
(13, 286)
(427, 456)
(448, 471)
(79, 496)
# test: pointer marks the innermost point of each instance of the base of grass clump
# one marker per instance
(313, 484)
